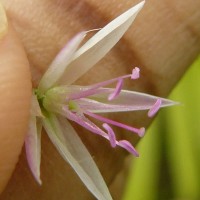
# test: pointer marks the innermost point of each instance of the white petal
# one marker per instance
(97, 47)
(60, 63)
(73, 151)
(35, 107)
(125, 101)
(33, 147)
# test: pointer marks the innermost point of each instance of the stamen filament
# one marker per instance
(117, 90)
(154, 109)
(84, 122)
(80, 119)
(111, 135)
(140, 131)
(128, 146)
(93, 88)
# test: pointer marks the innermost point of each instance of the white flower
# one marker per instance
(56, 99)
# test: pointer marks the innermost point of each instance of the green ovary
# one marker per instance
(54, 100)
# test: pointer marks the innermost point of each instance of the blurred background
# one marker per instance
(169, 162)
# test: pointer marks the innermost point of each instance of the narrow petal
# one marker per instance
(73, 151)
(99, 45)
(96, 100)
(133, 100)
(33, 147)
(125, 101)
(60, 63)
(35, 107)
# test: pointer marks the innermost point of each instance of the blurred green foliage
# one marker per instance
(169, 163)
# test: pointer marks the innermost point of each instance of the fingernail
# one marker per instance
(3, 22)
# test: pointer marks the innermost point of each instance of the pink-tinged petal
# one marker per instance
(128, 146)
(99, 107)
(117, 90)
(139, 131)
(59, 64)
(73, 151)
(33, 147)
(111, 134)
(154, 109)
(35, 107)
(135, 73)
(99, 45)
(125, 101)
(97, 101)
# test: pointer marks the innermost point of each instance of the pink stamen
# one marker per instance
(93, 88)
(128, 146)
(117, 90)
(140, 131)
(80, 119)
(135, 73)
(84, 122)
(111, 135)
(154, 109)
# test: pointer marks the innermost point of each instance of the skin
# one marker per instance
(15, 92)
(163, 41)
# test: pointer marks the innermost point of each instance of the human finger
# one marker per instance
(15, 90)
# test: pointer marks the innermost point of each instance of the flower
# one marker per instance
(77, 102)
(56, 99)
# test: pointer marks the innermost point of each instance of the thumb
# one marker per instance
(15, 91)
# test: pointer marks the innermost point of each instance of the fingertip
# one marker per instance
(15, 90)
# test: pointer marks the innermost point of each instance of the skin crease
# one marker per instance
(164, 40)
